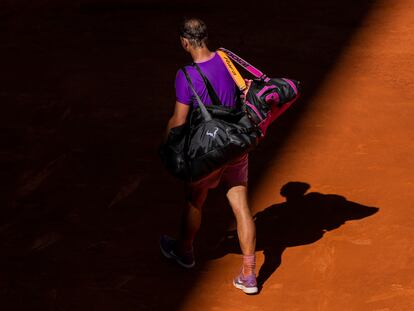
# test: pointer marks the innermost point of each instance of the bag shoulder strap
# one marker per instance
(211, 92)
(204, 112)
(250, 68)
(235, 74)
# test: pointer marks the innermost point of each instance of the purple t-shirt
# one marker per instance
(216, 72)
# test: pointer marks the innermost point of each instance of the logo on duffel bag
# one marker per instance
(213, 134)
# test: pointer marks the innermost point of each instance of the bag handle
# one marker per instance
(213, 95)
(206, 115)
(250, 68)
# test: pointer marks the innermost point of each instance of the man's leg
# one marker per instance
(191, 217)
(181, 250)
(246, 229)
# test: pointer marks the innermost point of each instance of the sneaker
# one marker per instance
(247, 284)
(168, 245)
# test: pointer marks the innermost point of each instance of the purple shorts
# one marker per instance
(232, 174)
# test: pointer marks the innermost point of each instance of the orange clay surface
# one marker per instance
(86, 90)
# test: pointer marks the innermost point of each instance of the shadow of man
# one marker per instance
(301, 220)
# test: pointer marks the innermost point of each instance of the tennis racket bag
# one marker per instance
(267, 98)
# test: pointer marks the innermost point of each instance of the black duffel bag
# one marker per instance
(214, 136)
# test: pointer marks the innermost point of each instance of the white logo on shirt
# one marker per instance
(212, 134)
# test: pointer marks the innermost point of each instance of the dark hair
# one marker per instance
(195, 30)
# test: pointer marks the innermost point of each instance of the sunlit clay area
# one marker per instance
(87, 91)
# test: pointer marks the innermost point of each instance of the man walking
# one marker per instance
(193, 36)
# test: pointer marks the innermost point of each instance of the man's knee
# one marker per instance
(237, 191)
(237, 194)
(196, 197)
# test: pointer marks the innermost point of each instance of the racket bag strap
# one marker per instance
(235, 74)
(249, 67)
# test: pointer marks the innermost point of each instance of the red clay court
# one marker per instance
(86, 89)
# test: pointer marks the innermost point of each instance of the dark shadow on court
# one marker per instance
(302, 219)
(87, 91)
